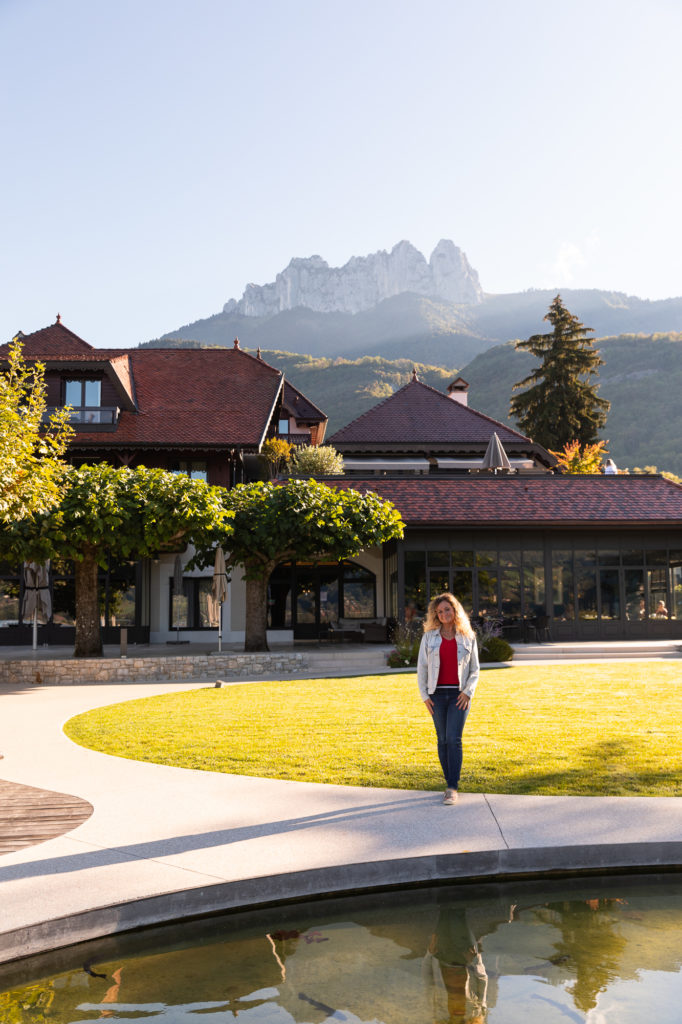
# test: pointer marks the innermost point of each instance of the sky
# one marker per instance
(158, 155)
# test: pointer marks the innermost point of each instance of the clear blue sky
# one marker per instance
(158, 155)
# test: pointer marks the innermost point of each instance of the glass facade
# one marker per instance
(588, 587)
(120, 603)
(308, 598)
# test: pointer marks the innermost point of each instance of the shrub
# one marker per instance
(496, 649)
(312, 460)
(407, 637)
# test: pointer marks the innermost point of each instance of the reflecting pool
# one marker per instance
(598, 950)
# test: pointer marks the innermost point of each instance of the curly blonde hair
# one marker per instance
(462, 624)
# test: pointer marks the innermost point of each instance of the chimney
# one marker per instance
(457, 391)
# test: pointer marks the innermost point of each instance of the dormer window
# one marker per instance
(85, 397)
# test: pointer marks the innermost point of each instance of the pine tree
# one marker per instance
(560, 405)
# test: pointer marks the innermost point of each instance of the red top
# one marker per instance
(448, 674)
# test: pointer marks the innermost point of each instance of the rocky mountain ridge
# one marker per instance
(363, 282)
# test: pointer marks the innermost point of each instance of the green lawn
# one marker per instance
(597, 729)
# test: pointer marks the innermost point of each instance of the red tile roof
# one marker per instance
(55, 341)
(546, 500)
(419, 415)
(203, 397)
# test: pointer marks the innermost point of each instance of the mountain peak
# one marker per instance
(363, 282)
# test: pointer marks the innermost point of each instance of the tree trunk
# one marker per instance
(88, 636)
(256, 638)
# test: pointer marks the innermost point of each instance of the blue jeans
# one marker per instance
(449, 722)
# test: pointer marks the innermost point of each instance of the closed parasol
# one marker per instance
(219, 590)
(37, 604)
(495, 456)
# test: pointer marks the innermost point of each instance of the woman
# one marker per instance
(447, 673)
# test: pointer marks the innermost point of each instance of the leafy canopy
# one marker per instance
(31, 466)
(560, 405)
(303, 519)
(277, 453)
(130, 513)
(577, 460)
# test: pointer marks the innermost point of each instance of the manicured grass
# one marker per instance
(598, 729)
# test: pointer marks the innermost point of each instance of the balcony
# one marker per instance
(89, 417)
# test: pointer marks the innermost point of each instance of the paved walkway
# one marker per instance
(167, 842)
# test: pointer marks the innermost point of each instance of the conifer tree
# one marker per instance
(560, 404)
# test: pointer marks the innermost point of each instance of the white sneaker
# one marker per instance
(450, 797)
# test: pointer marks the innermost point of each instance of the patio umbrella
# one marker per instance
(219, 590)
(495, 456)
(37, 599)
(177, 592)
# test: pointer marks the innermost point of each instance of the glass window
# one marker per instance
(358, 599)
(441, 558)
(439, 582)
(208, 609)
(676, 587)
(283, 426)
(72, 393)
(486, 558)
(415, 584)
(80, 393)
(633, 557)
(586, 586)
(609, 593)
(609, 557)
(9, 602)
(121, 602)
(179, 606)
(510, 559)
(359, 592)
(487, 593)
(64, 602)
(511, 593)
(635, 605)
(534, 590)
(462, 558)
(92, 392)
(656, 557)
(462, 588)
(563, 585)
(658, 598)
(195, 607)
(279, 598)
(585, 557)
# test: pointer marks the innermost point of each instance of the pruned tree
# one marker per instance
(31, 446)
(560, 403)
(119, 513)
(301, 519)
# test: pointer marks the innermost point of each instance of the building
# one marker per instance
(203, 412)
(591, 557)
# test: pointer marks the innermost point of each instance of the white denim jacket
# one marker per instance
(428, 663)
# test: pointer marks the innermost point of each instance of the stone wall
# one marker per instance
(66, 671)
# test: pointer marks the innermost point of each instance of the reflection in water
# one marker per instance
(595, 951)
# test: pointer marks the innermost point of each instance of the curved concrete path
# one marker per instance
(169, 842)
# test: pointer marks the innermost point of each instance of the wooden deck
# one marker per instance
(29, 816)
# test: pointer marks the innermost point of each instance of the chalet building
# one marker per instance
(575, 557)
(203, 412)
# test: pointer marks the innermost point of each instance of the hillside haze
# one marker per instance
(399, 305)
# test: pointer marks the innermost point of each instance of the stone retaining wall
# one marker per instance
(122, 670)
